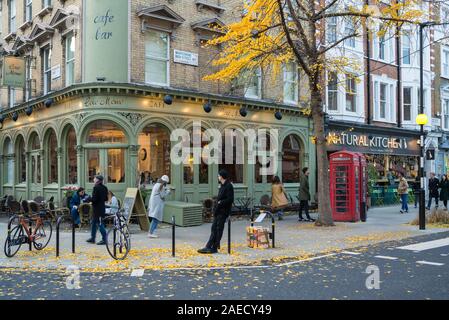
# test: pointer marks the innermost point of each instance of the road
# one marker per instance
(382, 271)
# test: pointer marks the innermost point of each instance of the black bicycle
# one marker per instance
(118, 238)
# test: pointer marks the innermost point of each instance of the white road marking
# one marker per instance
(137, 272)
(445, 254)
(305, 260)
(351, 253)
(426, 245)
(430, 263)
(386, 257)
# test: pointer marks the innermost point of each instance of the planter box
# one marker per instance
(186, 214)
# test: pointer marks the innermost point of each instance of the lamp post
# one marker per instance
(421, 119)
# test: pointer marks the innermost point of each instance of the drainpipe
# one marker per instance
(368, 72)
(399, 66)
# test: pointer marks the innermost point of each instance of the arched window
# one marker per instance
(52, 154)
(190, 167)
(8, 152)
(35, 159)
(233, 155)
(105, 131)
(154, 153)
(72, 177)
(291, 149)
(269, 148)
(21, 160)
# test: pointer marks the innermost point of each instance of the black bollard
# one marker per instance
(173, 248)
(273, 223)
(73, 238)
(29, 239)
(58, 223)
(252, 217)
(229, 235)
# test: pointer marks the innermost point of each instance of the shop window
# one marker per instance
(332, 91)
(69, 60)
(116, 166)
(258, 166)
(291, 83)
(21, 160)
(8, 152)
(157, 58)
(154, 153)
(291, 151)
(35, 159)
(105, 131)
(71, 157)
(234, 168)
(93, 163)
(190, 167)
(52, 155)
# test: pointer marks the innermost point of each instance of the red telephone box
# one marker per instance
(346, 186)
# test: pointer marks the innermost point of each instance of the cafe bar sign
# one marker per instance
(13, 73)
(362, 142)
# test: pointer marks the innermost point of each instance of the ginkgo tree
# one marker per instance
(272, 33)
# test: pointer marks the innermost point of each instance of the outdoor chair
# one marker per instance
(39, 199)
(3, 208)
(25, 207)
(13, 207)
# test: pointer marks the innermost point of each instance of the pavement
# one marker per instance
(294, 241)
(410, 269)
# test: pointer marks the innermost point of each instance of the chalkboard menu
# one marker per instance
(133, 206)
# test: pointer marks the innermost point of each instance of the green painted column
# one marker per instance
(131, 170)
(28, 174)
(61, 177)
(2, 174)
(44, 172)
(81, 172)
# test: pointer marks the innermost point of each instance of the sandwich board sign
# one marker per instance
(133, 206)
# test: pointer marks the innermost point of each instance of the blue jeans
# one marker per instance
(95, 223)
(154, 224)
(75, 216)
(404, 199)
(430, 201)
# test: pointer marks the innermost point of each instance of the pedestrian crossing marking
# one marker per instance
(386, 257)
(417, 247)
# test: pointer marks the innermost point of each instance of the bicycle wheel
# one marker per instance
(14, 241)
(117, 243)
(43, 235)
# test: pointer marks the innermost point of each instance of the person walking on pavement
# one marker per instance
(278, 199)
(157, 202)
(433, 190)
(444, 193)
(403, 193)
(222, 211)
(99, 198)
(304, 195)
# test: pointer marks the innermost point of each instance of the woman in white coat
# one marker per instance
(157, 201)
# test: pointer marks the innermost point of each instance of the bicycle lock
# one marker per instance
(58, 224)
(173, 226)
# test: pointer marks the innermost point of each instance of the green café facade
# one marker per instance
(122, 131)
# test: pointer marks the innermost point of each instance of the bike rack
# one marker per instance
(173, 236)
(58, 223)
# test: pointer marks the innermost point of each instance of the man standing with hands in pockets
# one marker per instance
(222, 211)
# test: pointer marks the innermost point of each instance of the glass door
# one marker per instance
(36, 174)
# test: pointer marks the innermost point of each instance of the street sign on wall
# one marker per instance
(185, 57)
(106, 40)
(13, 72)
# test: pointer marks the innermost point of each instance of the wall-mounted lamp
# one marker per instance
(29, 111)
(207, 107)
(49, 102)
(168, 99)
(278, 115)
(15, 116)
(243, 112)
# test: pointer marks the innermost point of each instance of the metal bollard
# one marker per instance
(58, 223)
(31, 234)
(73, 237)
(114, 240)
(173, 226)
(229, 235)
(252, 217)
(273, 223)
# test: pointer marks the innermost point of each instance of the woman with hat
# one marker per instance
(156, 205)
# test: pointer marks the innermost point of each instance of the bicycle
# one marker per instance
(118, 238)
(22, 233)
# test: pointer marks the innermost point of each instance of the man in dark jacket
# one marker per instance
(304, 194)
(222, 211)
(434, 184)
(99, 197)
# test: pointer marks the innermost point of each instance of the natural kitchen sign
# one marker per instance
(372, 143)
(13, 73)
(106, 40)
